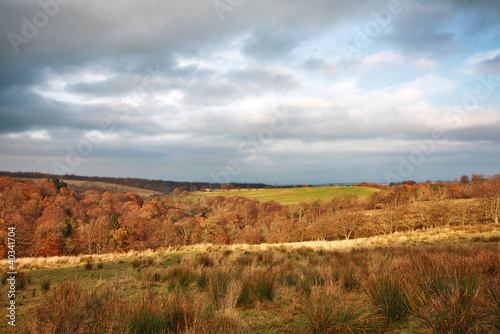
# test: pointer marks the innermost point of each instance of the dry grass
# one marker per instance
(442, 235)
(275, 289)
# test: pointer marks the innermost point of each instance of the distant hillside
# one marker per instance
(160, 186)
(82, 186)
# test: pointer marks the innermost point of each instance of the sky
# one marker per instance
(282, 91)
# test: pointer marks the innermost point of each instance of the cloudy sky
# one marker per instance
(280, 91)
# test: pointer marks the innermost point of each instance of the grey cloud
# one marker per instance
(491, 65)
(27, 111)
(266, 79)
(429, 28)
(122, 38)
(237, 84)
(270, 45)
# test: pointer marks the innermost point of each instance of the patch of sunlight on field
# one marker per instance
(296, 195)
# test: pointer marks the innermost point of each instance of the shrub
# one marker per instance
(100, 265)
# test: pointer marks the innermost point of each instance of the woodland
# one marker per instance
(51, 219)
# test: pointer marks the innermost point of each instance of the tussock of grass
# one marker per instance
(263, 284)
(205, 260)
(455, 311)
(493, 288)
(89, 265)
(387, 292)
(330, 313)
(69, 308)
(181, 276)
(45, 285)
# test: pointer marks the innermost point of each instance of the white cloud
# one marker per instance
(382, 58)
(480, 57)
(425, 64)
(35, 134)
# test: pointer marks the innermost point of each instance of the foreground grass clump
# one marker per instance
(455, 311)
(389, 295)
(494, 309)
(329, 313)
(427, 289)
(70, 308)
(171, 314)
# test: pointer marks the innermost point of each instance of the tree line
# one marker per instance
(154, 185)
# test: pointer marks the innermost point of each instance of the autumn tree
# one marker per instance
(186, 229)
(58, 183)
(249, 235)
(113, 222)
(492, 206)
(281, 231)
(464, 179)
(348, 222)
(67, 226)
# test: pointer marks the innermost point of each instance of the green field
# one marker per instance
(297, 195)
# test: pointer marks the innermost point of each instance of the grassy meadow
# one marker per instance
(296, 195)
(443, 280)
